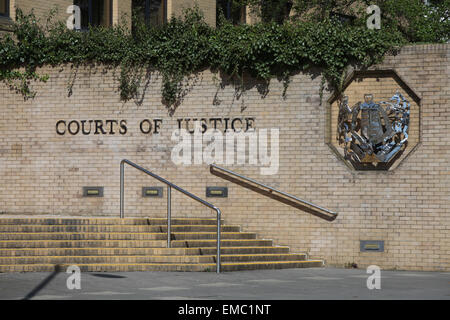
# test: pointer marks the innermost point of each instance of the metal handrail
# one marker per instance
(331, 213)
(170, 185)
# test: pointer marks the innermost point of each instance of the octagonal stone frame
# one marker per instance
(374, 74)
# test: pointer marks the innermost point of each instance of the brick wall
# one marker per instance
(42, 8)
(122, 12)
(407, 207)
(208, 7)
(121, 9)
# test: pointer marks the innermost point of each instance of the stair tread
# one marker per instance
(174, 240)
(135, 244)
(162, 263)
(121, 248)
(105, 232)
(158, 255)
(118, 225)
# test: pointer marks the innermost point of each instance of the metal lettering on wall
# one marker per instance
(151, 126)
(373, 132)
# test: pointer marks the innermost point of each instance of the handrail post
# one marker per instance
(169, 204)
(218, 240)
(122, 185)
(169, 215)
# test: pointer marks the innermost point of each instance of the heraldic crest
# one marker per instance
(373, 132)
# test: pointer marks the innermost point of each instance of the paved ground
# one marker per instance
(288, 284)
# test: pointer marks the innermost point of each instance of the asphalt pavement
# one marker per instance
(288, 284)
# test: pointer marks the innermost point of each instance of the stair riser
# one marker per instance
(111, 228)
(104, 268)
(224, 243)
(121, 236)
(84, 244)
(106, 221)
(146, 259)
(167, 268)
(212, 235)
(137, 251)
(106, 260)
(276, 265)
(269, 257)
(131, 244)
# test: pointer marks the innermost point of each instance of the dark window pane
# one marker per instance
(156, 12)
(94, 12)
(232, 11)
(276, 10)
(138, 7)
(4, 7)
(101, 12)
(84, 7)
(150, 12)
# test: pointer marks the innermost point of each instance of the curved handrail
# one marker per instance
(324, 213)
(169, 186)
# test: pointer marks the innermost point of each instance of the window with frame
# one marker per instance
(150, 12)
(4, 8)
(95, 13)
(232, 11)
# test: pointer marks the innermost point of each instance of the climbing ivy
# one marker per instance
(188, 45)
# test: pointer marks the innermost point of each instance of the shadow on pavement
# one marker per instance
(106, 275)
(43, 284)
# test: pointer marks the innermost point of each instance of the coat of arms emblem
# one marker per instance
(373, 132)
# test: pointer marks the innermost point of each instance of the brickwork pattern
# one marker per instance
(176, 7)
(408, 208)
(121, 11)
(42, 8)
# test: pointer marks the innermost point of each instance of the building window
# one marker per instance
(150, 12)
(95, 13)
(4, 8)
(232, 11)
(276, 10)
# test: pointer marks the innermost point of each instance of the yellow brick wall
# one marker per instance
(251, 15)
(121, 9)
(42, 8)
(408, 207)
(208, 7)
(122, 12)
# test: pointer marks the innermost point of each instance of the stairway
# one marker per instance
(135, 244)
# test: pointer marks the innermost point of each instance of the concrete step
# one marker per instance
(224, 243)
(130, 243)
(135, 244)
(113, 228)
(18, 236)
(227, 266)
(76, 260)
(132, 259)
(241, 266)
(82, 244)
(262, 257)
(23, 252)
(106, 221)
